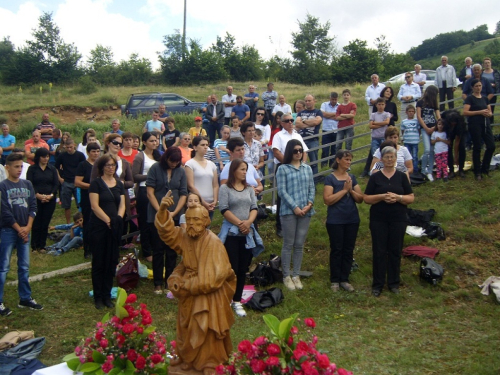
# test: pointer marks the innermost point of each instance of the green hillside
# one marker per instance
(476, 50)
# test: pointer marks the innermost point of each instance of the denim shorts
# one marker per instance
(67, 190)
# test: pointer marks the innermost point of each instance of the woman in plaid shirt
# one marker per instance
(296, 190)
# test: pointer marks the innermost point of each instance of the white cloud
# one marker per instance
(18, 26)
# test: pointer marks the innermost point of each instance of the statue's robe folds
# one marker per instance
(204, 284)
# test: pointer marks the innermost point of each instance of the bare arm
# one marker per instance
(79, 183)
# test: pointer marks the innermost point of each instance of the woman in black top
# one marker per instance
(389, 192)
(82, 181)
(45, 180)
(107, 199)
(478, 109)
(164, 176)
(454, 126)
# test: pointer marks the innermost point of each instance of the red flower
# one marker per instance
(308, 368)
(261, 340)
(257, 365)
(310, 322)
(103, 343)
(140, 330)
(120, 339)
(294, 330)
(146, 320)
(273, 349)
(131, 355)
(290, 341)
(298, 354)
(245, 347)
(173, 344)
(128, 328)
(107, 367)
(272, 361)
(342, 371)
(302, 346)
(131, 298)
(156, 358)
(140, 363)
(323, 360)
(220, 370)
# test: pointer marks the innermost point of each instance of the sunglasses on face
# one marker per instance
(287, 120)
(260, 114)
(298, 151)
(116, 143)
(407, 77)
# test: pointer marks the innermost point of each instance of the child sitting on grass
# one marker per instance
(71, 240)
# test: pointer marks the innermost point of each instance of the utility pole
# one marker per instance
(184, 31)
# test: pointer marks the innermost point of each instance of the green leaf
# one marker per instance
(73, 363)
(69, 356)
(115, 371)
(273, 323)
(130, 369)
(121, 312)
(148, 330)
(286, 325)
(89, 367)
(105, 318)
(98, 357)
(121, 297)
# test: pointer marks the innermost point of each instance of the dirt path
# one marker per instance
(66, 115)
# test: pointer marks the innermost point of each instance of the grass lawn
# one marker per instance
(447, 329)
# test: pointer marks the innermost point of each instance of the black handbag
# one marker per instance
(262, 211)
(262, 275)
(265, 299)
(431, 271)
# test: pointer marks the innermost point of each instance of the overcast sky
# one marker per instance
(139, 26)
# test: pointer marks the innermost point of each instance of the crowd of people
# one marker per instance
(219, 163)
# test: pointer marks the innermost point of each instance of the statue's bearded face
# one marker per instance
(195, 222)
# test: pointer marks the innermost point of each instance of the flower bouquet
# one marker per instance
(282, 353)
(124, 343)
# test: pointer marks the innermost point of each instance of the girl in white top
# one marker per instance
(404, 159)
(439, 139)
(201, 175)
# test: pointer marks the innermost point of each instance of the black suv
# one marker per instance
(148, 102)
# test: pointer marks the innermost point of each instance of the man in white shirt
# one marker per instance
(229, 101)
(419, 78)
(446, 83)
(282, 106)
(330, 125)
(409, 92)
(373, 92)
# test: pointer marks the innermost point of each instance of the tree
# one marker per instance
(59, 59)
(497, 29)
(313, 51)
(101, 66)
(6, 55)
(134, 72)
(357, 63)
(383, 47)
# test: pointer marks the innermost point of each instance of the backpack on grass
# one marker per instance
(431, 271)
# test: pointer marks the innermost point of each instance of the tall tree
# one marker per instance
(497, 29)
(357, 63)
(101, 66)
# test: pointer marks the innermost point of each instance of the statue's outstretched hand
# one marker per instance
(167, 201)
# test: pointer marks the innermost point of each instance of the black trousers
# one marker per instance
(387, 246)
(142, 215)
(86, 211)
(41, 223)
(369, 160)
(461, 155)
(481, 132)
(342, 241)
(163, 257)
(446, 93)
(239, 257)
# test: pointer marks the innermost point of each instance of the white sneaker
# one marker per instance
(297, 283)
(429, 176)
(238, 309)
(289, 283)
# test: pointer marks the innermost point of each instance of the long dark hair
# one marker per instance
(384, 90)
(145, 137)
(265, 120)
(277, 117)
(173, 154)
(235, 164)
(288, 157)
(339, 155)
(430, 98)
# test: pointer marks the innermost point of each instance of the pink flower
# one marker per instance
(78, 350)
(107, 367)
(290, 341)
(131, 298)
(128, 328)
(146, 320)
(298, 354)
(257, 365)
(131, 355)
(323, 360)
(140, 330)
(220, 370)
(140, 363)
(173, 344)
(261, 340)
(310, 322)
(103, 343)
(156, 358)
(294, 330)
(302, 346)
(273, 349)
(272, 361)
(120, 339)
(342, 371)
(245, 347)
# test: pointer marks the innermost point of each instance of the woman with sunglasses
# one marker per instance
(164, 176)
(45, 180)
(185, 140)
(296, 190)
(107, 199)
(143, 162)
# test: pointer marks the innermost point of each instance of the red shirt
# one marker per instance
(344, 109)
(129, 158)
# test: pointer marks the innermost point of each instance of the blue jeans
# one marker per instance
(9, 239)
(344, 134)
(428, 155)
(330, 150)
(295, 230)
(375, 145)
(413, 150)
(313, 155)
(68, 243)
(212, 128)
